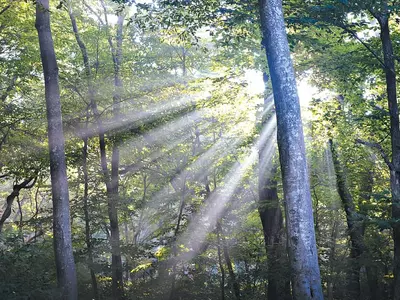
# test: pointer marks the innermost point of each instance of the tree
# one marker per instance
(336, 15)
(354, 224)
(270, 212)
(303, 256)
(382, 15)
(66, 275)
(111, 179)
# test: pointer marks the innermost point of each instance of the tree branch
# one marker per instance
(94, 13)
(9, 88)
(354, 34)
(14, 194)
(380, 149)
(374, 14)
(5, 9)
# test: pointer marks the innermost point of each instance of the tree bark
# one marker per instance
(371, 268)
(306, 281)
(176, 231)
(66, 274)
(332, 259)
(88, 72)
(272, 219)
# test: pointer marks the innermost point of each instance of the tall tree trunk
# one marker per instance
(390, 73)
(382, 15)
(88, 238)
(332, 259)
(306, 281)
(113, 193)
(272, 223)
(66, 275)
(88, 72)
(184, 68)
(354, 225)
(111, 180)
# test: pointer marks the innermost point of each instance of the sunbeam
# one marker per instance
(131, 118)
(203, 163)
(205, 221)
(197, 169)
(268, 106)
(162, 136)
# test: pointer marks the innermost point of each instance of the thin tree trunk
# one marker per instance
(371, 269)
(272, 219)
(354, 225)
(272, 223)
(332, 259)
(112, 182)
(235, 283)
(306, 281)
(218, 230)
(184, 68)
(221, 266)
(174, 249)
(113, 198)
(316, 215)
(21, 218)
(85, 153)
(66, 274)
(88, 237)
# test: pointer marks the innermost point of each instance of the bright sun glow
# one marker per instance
(305, 90)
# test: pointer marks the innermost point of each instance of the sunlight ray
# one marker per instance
(204, 163)
(161, 136)
(146, 116)
(267, 154)
(268, 108)
(198, 165)
(206, 220)
(198, 168)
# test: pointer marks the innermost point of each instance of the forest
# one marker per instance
(199, 149)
